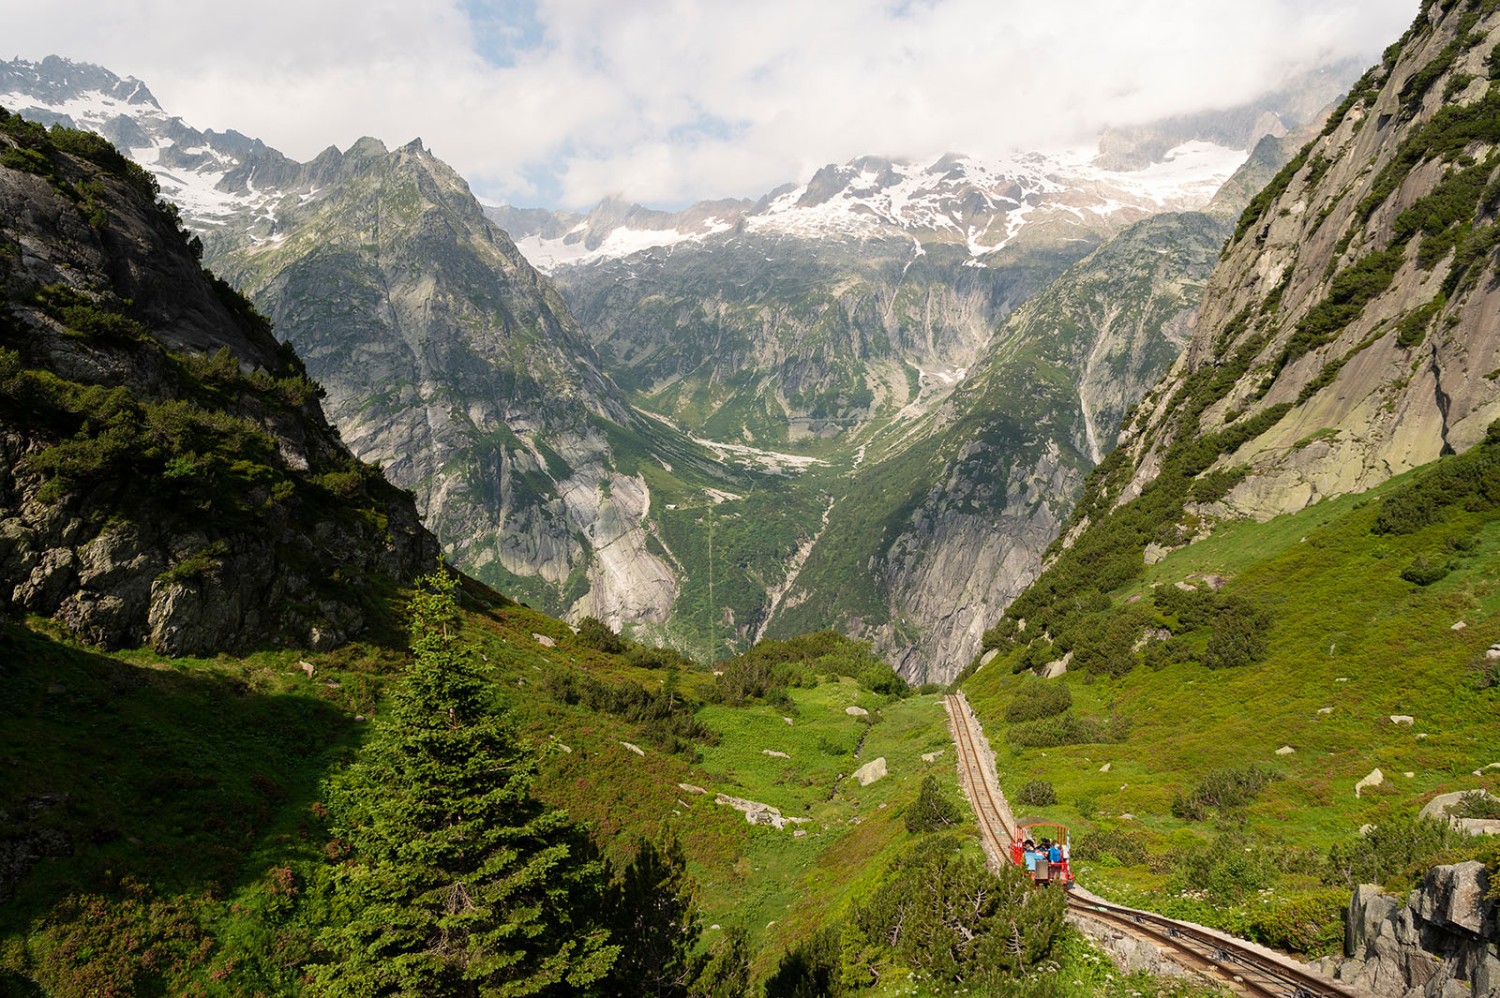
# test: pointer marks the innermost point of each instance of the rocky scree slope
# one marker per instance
(1352, 329)
(169, 477)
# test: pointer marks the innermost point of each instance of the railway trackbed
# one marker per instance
(1235, 964)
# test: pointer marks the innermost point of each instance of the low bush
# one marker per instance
(1068, 728)
(933, 810)
(1036, 793)
(1222, 789)
(1038, 699)
(1395, 853)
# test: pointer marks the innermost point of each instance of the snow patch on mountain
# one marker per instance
(548, 254)
(982, 206)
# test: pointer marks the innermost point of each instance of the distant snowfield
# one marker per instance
(547, 255)
(983, 206)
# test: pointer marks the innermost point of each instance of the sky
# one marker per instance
(558, 103)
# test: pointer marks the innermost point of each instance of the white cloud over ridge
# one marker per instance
(668, 101)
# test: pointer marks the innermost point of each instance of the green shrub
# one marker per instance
(1424, 573)
(600, 636)
(1036, 793)
(1476, 805)
(1037, 699)
(1222, 789)
(1395, 853)
(1068, 729)
(1239, 635)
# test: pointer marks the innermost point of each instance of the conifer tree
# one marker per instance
(459, 882)
(932, 810)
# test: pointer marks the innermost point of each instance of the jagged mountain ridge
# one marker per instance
(900, 320)
(169, 476)
(448, 359)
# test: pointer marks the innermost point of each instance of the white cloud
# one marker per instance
(667, 101)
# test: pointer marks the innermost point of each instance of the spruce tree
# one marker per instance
(458, 881)
(932, 810)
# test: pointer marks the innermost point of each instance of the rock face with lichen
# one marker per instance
(168, 475)
(1440, 941)
(1352, 329)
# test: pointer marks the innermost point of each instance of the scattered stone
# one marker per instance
(564, 748)
(543, 640)
(1057, 667)
(754, 811)
(1285, 750)
(1421, 734)
(634, 748)
(359, 717)
(854, 711)
(799, 833)
(774, 754)
(1187, 587)
(1410, 776)
(1458, 626)
(1105, 768)
(1325, 710)
(989, 656)
(1375, 779)
(871, 771)
(307, 669)
(1365, 830)
(1406, 719)
(1342, 679)
(788, 721)
(331, 684)
(1492, 652)
(714, 926)
(1215, 582)
(931, 756)
(690, 788)
(1133, 598)
(1127, 816)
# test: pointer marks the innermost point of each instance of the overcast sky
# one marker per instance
(560, 102)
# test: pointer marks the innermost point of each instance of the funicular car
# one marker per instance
(1044, 850)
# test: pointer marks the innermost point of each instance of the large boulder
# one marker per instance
(1440, 941)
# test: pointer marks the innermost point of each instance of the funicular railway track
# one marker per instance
(1241, 967)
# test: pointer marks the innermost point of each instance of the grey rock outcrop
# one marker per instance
(167, 476)
(1442, 938)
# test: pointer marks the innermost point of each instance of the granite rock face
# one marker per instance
(1367, 333)
(1441, 940)
(167, 476)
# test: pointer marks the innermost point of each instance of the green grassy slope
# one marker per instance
(1348, 643)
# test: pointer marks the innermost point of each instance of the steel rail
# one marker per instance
(1252, 968)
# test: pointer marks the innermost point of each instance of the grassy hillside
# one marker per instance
(1323, 625)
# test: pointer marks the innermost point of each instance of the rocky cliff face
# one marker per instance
(1350, 332)
(169, 477)
(452, 363)
(1439, 942)
(985, 484)
(862, 294)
